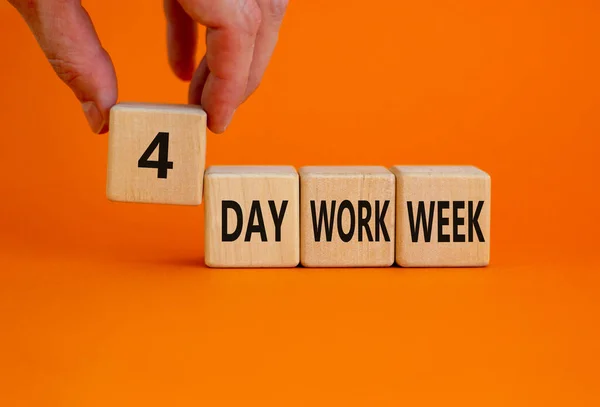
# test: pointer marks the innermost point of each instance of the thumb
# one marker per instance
(67, 36)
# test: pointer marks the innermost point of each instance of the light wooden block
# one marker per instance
(347, 217)
(442, 216)
(251, 216)
(156, 153)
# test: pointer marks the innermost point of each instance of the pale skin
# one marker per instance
(240, 39)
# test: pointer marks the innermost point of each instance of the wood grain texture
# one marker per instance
(133, 127)
(358, 192)
(455, 203)
(260, 194)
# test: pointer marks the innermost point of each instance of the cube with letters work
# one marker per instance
(442, 216)
(156, 153)
(251, 216)
(347, 217)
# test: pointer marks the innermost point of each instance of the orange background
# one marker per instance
(105, 304)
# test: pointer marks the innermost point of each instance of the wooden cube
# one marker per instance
(347, 217)
(442, 216)
(156, 153)
(251, 216)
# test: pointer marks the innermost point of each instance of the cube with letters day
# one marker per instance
(251, 216)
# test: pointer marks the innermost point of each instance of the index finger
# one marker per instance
(232, 26)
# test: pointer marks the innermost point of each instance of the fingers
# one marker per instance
(67, 36)
(220, 78)
(198, 81)
(272, 12)
(232, 26)
(182, 38)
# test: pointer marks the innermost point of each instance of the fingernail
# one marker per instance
(229, 119)
(93, 116)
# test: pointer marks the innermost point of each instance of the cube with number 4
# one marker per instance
(156, 153)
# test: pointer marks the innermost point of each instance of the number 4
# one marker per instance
(163, 164)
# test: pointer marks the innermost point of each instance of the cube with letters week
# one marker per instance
(251, 216)
(442, 216)
(156, 153)
(347, 217)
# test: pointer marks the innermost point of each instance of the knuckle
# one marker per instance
(67, 71)
(37, 8)
(276, 8)
(251, 16)
(25, 6)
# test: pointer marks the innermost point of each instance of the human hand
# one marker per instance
(240, 39)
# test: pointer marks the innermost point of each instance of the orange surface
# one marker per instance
(105, 304)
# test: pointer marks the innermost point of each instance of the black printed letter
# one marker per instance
(322, 220)
(231, 237)
(363, 221)
(427, 225)
(380, 221)
(346, 237)
(443, 221)
(278, 219)
(255, 211)
(474, 221)
(456, 221)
